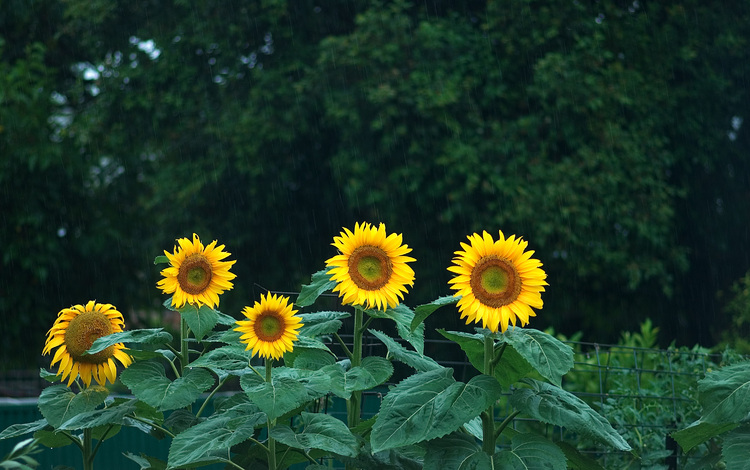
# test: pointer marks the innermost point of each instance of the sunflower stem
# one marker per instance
(87, 454)
(184, 346)
(488, 415)
(354, 405)
(271, 422)
(505, 424)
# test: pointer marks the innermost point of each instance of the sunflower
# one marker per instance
(73, 333)
(196, 275)
(498, 281)
(371, 268)
(270, 328)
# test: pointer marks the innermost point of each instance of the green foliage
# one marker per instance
(149, 383)
(428, 405)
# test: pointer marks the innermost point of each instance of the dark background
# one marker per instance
(611, 135)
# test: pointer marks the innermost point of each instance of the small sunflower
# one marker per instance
(271, 326)
(498, 281)
(73, 333)
(371, 268)
(196, 275)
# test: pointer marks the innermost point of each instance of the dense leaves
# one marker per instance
(429, 405)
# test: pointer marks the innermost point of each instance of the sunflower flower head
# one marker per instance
(498, 281)
(196, 274)
(74, 331)
(271, 326)
(371, 268)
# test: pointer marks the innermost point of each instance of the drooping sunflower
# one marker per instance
(498, 281)
(74, 331)
(371, 268)
(196, 275)
(271, 326)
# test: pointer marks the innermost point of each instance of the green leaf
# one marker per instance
(736, 448)
(149, 383)
(403, 316)
(699, 432)
(576, 459)
(372, 372)
(144, 336)
(58, 404)
(224, 319)
(531, 452)
(204, 442)
(52, 439)
(511, 368)
(201, 321)
(456, 452)
(548, 355)
(317, 383)
(411, 358)
(725, 394)
(226, 360)
(423, 311)
(281, 396)
(146, 462)
(319, 431)
(161, 259)
(15, 430)
(49, 376)
(553, 405)
(310, 343)
(114, 413)
(321, 323)
(309, 293)
(310, 359)
(429, 405)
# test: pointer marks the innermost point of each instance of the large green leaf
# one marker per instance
(15, 430)
(736, 448)
(149, 383)
(511, 368)
(145, 336)
(317, 383)
(456, 452)
(309, 293)
(725, 394)
(553, 405)
(548, 355)
(281, 396)
(423, 311)
(411, 358)
(372, 372)
(309, 358)
(319, 431)
(699, 432)
(226, 360)
(531, 452)
(321, 323)
(58, 404)
(201, 320)
(115, 412)
(212, 438)
(429, 405)
(403, 316)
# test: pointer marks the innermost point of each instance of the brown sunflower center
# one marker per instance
(269, 326)
(81, 333)
(195, 274)
(495, 281)
(370, 267)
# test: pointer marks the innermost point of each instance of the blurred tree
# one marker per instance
(609, 134)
